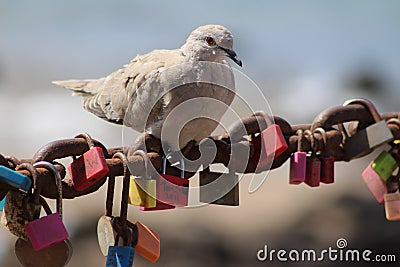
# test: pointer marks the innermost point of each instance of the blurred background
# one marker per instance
(305, 56)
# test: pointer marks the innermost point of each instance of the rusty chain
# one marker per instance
(358, 116)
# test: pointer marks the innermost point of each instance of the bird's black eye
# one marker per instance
(209, 40)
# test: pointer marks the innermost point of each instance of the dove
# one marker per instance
(176, 95)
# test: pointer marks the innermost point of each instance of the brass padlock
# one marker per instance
(219, 188)
(14, 218)
(372, 136)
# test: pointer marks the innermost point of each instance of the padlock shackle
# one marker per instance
(300, 134)
(88, 139)
(36, 185)
(58, 182)
(367, 104)
(312, 141)
(266, 119)
(146, 160)
(42, 203)
(110, 195)
(322, 132)
(164, 166)
(122, 229)
(125, 187)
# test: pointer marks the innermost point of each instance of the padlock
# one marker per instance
(14, 216)
(45, 231)
(384, 165)
(219, 188)
(148, 242)
(313, 165)
(367, 139)
(375, 183)
(2, 202)
(171, 191)
(327, 173)
(327, 169)
(121, 255)
(14, 179)
(142, 190)
(89, 167)
(392, 206)
(298, 162)
(269, 144)
(50, 229)
(105, 231)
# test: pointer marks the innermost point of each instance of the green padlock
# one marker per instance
(384, 165)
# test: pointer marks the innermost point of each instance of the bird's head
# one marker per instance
(210, 43)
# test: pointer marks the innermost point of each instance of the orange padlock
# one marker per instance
(148, 242)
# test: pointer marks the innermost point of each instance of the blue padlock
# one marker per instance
(14, 179)
(2, 202)
(120, 256)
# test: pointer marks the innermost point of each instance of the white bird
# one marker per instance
(147, 90)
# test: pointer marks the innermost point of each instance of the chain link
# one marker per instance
(331, 120)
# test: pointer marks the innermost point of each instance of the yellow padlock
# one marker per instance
(142, 190)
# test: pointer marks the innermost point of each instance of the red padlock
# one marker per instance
(327, 162)
(171, 191)
(313, 165)
(269, 144)
(298, 161)
(327, 169)
(89, 167)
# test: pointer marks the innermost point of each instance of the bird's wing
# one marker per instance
(110, 96)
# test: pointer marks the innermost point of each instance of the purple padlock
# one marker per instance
(50, 229)
(45, 231)
(375, 184)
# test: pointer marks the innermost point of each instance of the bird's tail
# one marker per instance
(78, 87)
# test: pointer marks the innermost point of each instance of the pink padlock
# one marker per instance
(375, 184)
(327, 173)
(298, 160)
(50, 229)
(392, 206)
(313, 165)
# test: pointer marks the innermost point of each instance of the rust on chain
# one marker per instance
(339, 114)
(4, 162)
(65, 148)
(359, 116)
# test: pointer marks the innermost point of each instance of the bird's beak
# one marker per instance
(232, 55)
